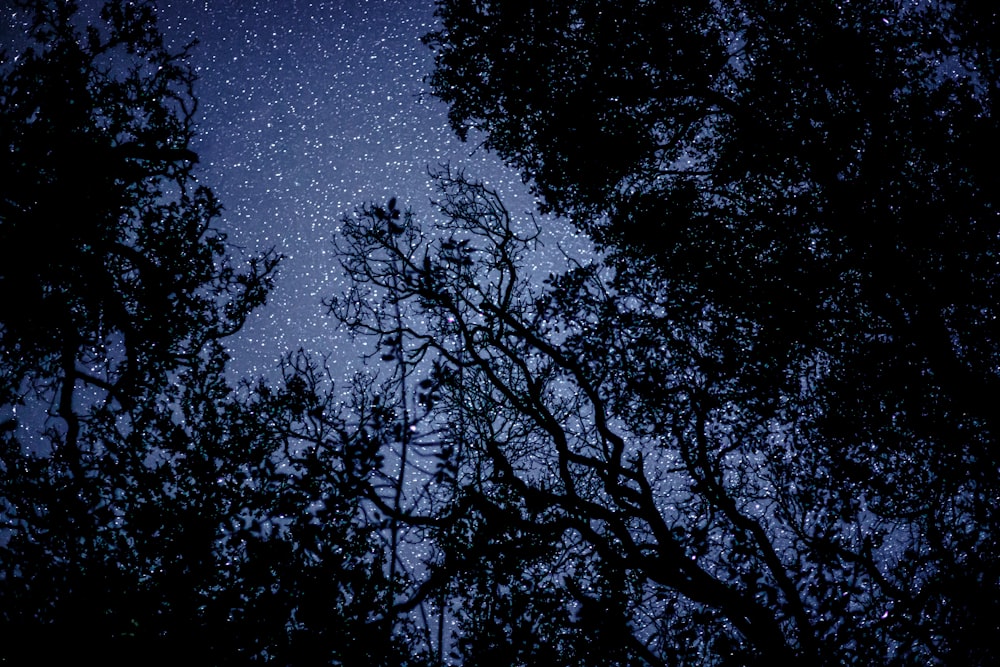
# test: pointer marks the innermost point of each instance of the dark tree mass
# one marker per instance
(160, 517)
(758, 428)
(797, 202)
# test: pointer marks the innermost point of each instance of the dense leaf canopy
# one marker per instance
(797, 208)
(150, 513)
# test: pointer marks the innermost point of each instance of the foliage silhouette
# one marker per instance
(759, 428)
(151, 513)
(576, 464)
(794, 197)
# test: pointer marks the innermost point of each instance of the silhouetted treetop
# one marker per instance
(149, 512)
(815, 173)
(594, 101)
(772, 157)
(106, 237)
(800, 200)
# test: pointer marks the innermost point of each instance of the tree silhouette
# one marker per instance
(151, 512)
(794, 197)
(759, 428)
(831, 203)
(609, 491)
(111, 271)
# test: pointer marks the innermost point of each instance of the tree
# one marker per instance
(105, 230)
(151, 512)
(593, 464)
(813, 198)
(810, 239)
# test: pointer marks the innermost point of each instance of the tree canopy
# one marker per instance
(756, 427)
(813, 171)
(795, 316)
(150, 512)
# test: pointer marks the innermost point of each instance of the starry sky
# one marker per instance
(309, 109)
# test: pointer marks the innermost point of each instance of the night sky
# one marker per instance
(308, 110)
(311, 109)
